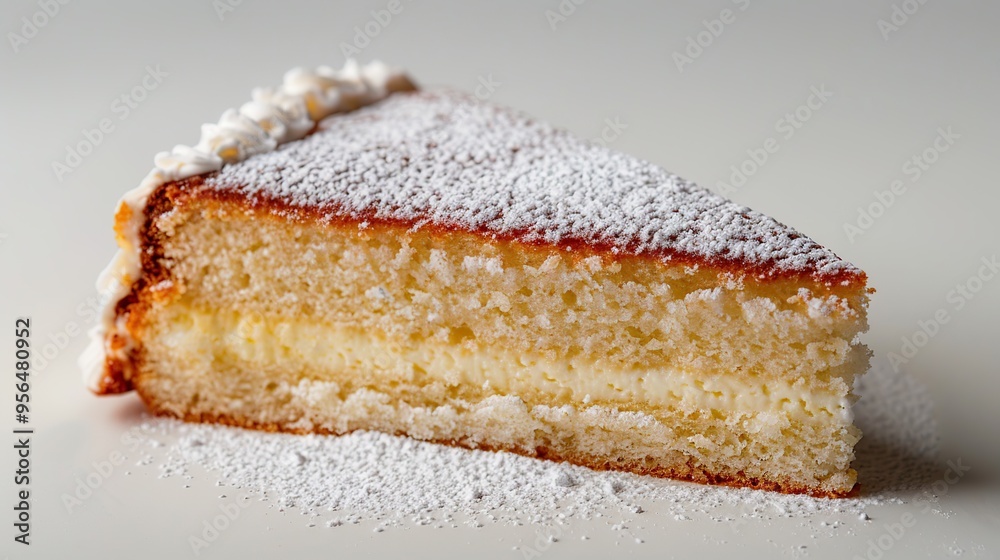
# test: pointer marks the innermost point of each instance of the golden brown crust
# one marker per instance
(121, 360)
(686, 471)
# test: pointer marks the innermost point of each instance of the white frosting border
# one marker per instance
(272, 117)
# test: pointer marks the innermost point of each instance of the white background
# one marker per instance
(892, 89)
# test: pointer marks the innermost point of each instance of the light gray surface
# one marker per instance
(891, 93)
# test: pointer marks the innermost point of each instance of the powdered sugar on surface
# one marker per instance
(447, 159)
(390, 481)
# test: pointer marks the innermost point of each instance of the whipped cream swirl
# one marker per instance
(272, 117)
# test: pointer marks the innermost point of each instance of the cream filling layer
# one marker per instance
(258, 340)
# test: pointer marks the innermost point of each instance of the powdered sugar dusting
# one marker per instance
(368, 477)
(446, 159)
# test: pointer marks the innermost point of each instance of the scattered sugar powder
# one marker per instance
(395, 481)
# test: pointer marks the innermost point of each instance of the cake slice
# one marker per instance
(349, 253)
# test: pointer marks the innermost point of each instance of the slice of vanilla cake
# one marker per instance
(348, 253)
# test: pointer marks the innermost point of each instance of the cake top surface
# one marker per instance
(447, 159)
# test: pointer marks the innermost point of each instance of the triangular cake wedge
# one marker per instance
(348, 253)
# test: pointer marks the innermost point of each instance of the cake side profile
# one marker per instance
(426, 264)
